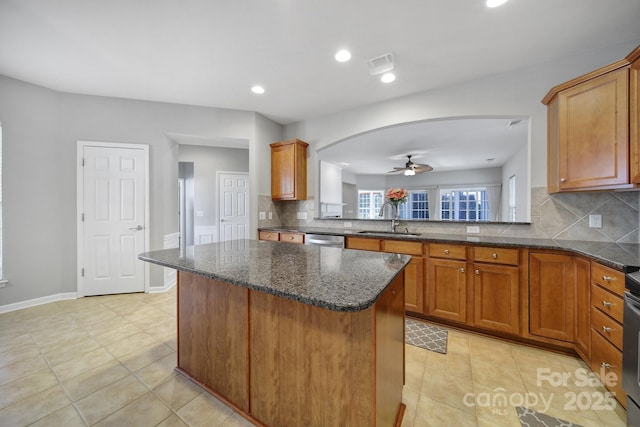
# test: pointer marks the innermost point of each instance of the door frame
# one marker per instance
(80, 199)
(218, 223)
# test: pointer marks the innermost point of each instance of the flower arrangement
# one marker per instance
(397, 195)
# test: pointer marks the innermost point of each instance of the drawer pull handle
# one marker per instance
(446, 251)
(606, 278)
(291, 237)
(477, 272)
(563, 179)
(606, 304)
(495, 256)
(462, 270)
(605, 365)
(606, 329)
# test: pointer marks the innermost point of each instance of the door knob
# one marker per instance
(138, 228)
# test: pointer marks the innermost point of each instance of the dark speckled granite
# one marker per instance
(332, 278)
(624, 257)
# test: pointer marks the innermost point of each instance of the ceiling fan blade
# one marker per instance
(422, 168)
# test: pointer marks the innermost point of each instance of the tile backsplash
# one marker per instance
(562, 216)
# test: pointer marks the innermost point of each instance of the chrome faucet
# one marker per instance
(395, 221)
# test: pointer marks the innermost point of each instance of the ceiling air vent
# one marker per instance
(381, 64)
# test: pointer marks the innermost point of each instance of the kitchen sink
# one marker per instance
(393, 233)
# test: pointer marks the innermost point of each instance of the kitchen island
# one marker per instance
(293, 335)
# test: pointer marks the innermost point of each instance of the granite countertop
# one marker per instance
(332, 278)
(624, 257)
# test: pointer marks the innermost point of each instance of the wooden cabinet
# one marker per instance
(496, 290)
(582, 336)
(363, 243)
(592, 137)
(552, 296)
(286, 237)
(607, 290)
(289, 170)
(634, 116)
(413, 272)
(447, 282)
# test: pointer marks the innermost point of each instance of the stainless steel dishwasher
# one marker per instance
(330, 240)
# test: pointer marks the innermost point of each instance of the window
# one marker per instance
(369, 203)
(464, 204)
(512, 198)
(1, 280)
(417, 206)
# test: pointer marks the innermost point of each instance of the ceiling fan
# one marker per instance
(411, 168)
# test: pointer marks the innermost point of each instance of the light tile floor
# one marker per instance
(108, 361)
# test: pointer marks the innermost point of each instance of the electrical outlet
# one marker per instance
(262, 215)
(473, 229)
(199, 213)
(270, 215)
(302, 215)
(595, 221)
(347, 224)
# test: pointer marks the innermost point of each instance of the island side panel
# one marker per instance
(213, 336)
(389, 349)
(310, 366)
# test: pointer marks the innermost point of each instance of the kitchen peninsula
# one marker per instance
(293, 334)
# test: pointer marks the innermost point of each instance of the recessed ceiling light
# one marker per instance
(257, 89)
(387, 77)
(495, 3)
(343, 55)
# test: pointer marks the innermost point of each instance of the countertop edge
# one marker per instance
(364, 305)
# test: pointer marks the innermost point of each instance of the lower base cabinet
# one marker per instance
(582, 336)
(496, 297)
(447, 289)
(552, 296)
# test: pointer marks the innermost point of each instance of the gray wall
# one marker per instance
(40, 133)
(207, 162)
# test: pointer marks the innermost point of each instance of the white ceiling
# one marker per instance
(210, 52)
(443, 144)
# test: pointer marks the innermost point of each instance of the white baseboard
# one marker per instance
(165, 288)
(37, 301)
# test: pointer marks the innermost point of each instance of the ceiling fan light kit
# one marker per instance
(411, 168)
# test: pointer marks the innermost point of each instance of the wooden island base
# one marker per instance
(280, 362)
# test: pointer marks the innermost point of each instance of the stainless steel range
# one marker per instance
(630, 348)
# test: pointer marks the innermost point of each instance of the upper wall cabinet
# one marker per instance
(289, 170)
(593, 141)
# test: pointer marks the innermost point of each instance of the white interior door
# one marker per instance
(233, 190)
(114, 219)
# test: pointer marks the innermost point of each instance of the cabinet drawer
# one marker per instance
(607, 302)
(363, 244)
(496, 255)
(402, 247)
(292, 238)
(607, 327)
(447, 251)
(605, 361)
(608, 278)
(269, 235)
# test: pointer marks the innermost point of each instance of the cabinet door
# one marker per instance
(289, 170)
(447, 289)
(496, 297)
(552, 296)
(634, 116)
(583, 313)
(414, 285)
(593, 133)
